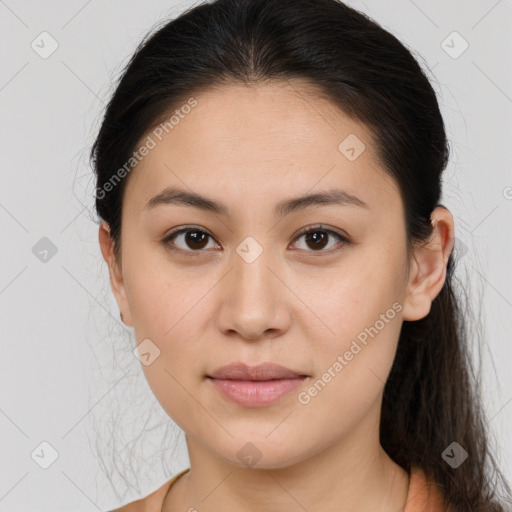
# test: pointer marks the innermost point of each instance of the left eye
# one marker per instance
(319, 236)
(196, 239)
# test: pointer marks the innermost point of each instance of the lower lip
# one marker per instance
(254, 393)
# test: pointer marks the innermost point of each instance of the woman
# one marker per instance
(268, 180)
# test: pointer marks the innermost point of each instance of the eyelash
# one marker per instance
(312, 229)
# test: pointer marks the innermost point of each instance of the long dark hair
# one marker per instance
(432, 397)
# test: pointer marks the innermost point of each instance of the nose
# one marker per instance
(254, 300)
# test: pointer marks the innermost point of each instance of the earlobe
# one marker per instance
(428, 266)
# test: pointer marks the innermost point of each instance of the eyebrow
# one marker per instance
(176, 196)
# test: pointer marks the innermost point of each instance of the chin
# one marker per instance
(259, 452)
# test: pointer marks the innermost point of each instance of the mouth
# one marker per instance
(255, 393)
(255, 386)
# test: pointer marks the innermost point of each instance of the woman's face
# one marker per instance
(248, 287)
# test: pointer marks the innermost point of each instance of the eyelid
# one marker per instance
(344, 239)
(321, 227)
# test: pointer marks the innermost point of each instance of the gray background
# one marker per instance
(66, 368)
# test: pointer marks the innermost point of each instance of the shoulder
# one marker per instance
(424, 495)
(152, 502)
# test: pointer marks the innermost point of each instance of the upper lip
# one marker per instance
(264, 371)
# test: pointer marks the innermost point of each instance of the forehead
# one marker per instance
(262, 142)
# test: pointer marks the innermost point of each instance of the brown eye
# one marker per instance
(317, 238)
(191, 240)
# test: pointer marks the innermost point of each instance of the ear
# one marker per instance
(428, 266)
(116, 275)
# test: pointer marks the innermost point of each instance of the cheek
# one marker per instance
(167, 307)
(355, 304)
(351, 366)
(161, 295)
(355, 354)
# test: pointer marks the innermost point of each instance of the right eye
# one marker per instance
(192, 237)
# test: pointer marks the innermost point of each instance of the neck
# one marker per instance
(352, 474)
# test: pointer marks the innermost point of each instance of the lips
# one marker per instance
(264, 371)
(255, 386)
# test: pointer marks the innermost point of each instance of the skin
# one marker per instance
(301, 307)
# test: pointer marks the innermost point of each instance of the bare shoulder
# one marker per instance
(150, 503)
